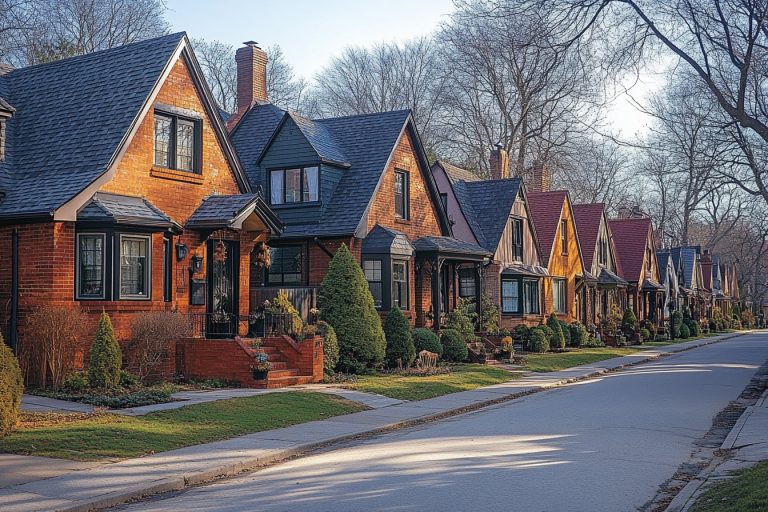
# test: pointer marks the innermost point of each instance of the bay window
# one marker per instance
(90, 266)
(296, 185)
(372, 271)
(134, 266)
(531, 291)
(115, 266)
(510, 296)
(400, 284)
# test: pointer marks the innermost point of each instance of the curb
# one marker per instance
(183, 481)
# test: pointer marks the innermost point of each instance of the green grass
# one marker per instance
(101, 435)
(677, 340)
(421, 387)
(747, 491)
(554, 361)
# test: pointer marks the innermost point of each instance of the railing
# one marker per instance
(303, 298)
(259, 324)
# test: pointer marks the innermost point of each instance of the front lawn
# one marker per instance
(747, 491)
(101, 435)
(679, 340)
(554, 361)
(421, 387)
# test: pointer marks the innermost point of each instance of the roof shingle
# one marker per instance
(630, 237)
(546, 209)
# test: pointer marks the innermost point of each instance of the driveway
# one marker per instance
(604, 444)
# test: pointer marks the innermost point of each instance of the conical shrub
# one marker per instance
(106, 357)
(400, 347)
(11, 388)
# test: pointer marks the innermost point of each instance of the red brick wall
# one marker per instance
(215, 359)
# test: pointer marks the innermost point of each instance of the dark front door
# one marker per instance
(222, 309)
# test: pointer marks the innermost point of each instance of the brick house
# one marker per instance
(600, 260)
(361, 180)
(120, 191)
(495, 214)
(633, 238)
(670, 282)
(690, 281)
(552, 215)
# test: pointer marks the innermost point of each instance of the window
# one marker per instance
(602, 254)
(531, 289)
(134, 266)
(510, 296)
(559, 295)
(517, 239)
(287, 264)
(648, 259)
(167, 269)
(90, 266)
(564, 236)
(400, 284)
(467, 283)
(401, 194)
(444, 200)
(290, 186)
(178, 142)
(372, 270)
(2, 140)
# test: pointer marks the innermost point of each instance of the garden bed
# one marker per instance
(102, 435)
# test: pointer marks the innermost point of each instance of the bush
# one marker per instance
(712, 326)
(549, 333)
(330, 346)
(736, 324)
(645, 334)
(694, 328)
(426, 339)
(128, 380)
(11, 389)
(677, 323)
(592, 343)
(454, 346)
(76, 382)
(566, 330)
(539, 341)
(521, 333)
(558, 339)
(47, 353)
(106, 358)
(461, 319)
(685, 332)
(400, 349)
(347, 305)
(629, 321)
(747, 318)
(282, 305)
(578, 334)
(490, 315)
(153, 338)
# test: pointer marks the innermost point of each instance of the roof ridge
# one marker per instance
(368, 114)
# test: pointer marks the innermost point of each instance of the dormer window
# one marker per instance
(177, 142)
(296, 185)
(2, 140)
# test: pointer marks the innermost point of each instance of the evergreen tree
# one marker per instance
(400, 347)
(558, 339)
(11, 388)
(106, 357)
(346, 303)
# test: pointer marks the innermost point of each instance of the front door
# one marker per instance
(222, 309)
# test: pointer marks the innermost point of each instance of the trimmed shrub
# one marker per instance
(397, 331)
(677, 323)
(645, 334)
(591, 342)
(521, 333)
(712, 326)
(454, 346)
(578, 334)
(566, 330)
(629, 321)
(106, 358)
(694, 328)
(539, 341)
(347, 305)
(330, 346)
(426, 339)
(557, 341)
(549, 333)
(685, 332)
(76, 382)
(128, 380)
(461, 319)
(490, 315)
(11, 389)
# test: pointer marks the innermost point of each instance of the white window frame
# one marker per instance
(147, 275)
(78, 296)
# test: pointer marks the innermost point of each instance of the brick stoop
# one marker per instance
(289, 362)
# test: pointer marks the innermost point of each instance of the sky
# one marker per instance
(311, 33)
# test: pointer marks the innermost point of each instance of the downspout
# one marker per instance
(12, 330)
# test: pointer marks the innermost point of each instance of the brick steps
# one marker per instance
(282, 382)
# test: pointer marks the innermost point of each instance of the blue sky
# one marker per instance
(309, 32)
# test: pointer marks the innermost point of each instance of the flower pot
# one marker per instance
(260, 374)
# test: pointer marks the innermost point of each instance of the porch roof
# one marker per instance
(125, 210)
(450, 248)
(587, 277)
(381, 240)
(525, 270)
(608, 278)
(651, 285)
(238, 211)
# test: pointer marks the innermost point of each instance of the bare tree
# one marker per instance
(284, 88)
(15, 19)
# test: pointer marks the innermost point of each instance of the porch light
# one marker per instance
(196, 263)
(181, 251)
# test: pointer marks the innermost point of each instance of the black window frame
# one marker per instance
(406, 284)
(466, 276)
(528, 310)
(379, 281)
(197, 142)
(301, 268)
(405, 199)
(563, 298)
(517, 238)
(302, 174)
(78, 272)
(602, 252)
(168, 268)
(118, 270)
(518, 283)
(564, 237)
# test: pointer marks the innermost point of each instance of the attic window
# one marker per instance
(178, 143)
(2, 139)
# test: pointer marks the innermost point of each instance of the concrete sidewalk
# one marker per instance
(111, 484)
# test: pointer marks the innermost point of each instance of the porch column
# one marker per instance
(248, 241)
(436, 293)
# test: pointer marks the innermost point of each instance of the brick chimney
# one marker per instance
(251, 79)
(541, 177)
(499, 163)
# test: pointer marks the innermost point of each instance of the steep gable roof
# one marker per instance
(487, 205)
(456, 173)
(546, 210)
(321, 139)
(251, 135)
(588, 218)
(630, 238)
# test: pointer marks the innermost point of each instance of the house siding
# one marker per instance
(565, 266)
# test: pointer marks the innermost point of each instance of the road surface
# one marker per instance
(601, 445)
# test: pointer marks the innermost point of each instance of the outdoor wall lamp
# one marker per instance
(181, 251)
(196, 264)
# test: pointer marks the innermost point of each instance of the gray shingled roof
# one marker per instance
(381, 240)
(456, 173)
(251, 135)
(71, 116)
(4, 105)
(486, 205)
(688, 257)
(607, 277)
(119, 209)
(219, 211)
(445, 244)
(321, 139)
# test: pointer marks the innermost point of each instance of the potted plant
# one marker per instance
(261, 366)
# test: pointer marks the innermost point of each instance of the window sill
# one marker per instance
(176, 175)
(281, 206)
(403, 221)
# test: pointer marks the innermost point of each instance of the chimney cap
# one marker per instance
(252, 44)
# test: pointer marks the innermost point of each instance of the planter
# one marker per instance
(260, 374)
